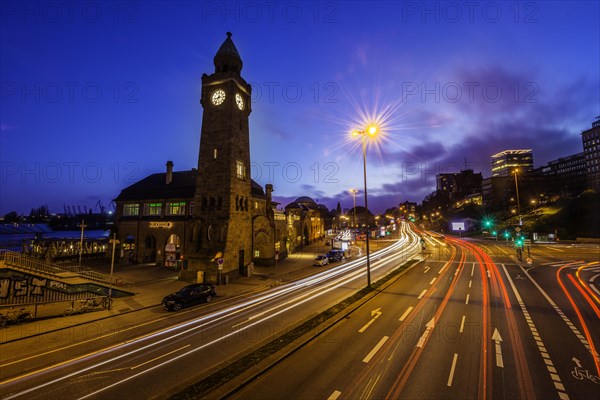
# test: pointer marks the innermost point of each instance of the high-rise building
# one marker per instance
(506, 161)
(591, 152)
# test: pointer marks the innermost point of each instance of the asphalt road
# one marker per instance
(472, 322)
(159, 356)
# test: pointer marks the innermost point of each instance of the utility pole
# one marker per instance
(114, 242)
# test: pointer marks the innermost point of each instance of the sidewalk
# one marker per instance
(153, 283)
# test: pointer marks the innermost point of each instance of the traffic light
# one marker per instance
(506, 235)
(487, 222)
(494, 233)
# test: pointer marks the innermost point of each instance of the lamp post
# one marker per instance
(516, 171)
(114, 242)
(371, 131)
(83, 225)
(354, 191)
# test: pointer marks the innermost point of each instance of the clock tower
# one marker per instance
(222, 226)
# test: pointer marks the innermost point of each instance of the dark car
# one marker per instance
(189, 295)
(335, 255)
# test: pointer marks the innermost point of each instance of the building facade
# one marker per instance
(591, 152)
(213, 219)
(505, 162)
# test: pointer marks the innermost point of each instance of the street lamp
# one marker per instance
(516, 171)
(354, 191)
(371, 131)
(83, 225)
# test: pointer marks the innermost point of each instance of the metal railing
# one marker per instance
(35, 265)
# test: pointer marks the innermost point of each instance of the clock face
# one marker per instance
(239, 101)
(218, 97)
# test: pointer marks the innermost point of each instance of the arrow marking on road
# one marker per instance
(422, 294)
(498, 339)
(577, 362)
(408, 310)
(428, 329)
(375, 314)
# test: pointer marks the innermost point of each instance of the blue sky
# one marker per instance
(96, 95)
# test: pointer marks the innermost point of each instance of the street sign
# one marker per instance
(220, 262)
(517, 229)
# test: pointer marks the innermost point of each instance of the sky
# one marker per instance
(97, 95)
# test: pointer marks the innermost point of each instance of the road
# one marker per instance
(471, 322)
(163, 355)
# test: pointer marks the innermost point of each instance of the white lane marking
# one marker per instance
(334, 395)
(498, 339)
(457, 270)
(489, 273)
(558, 310)
(467, 301)
(441, 269)
(470, 281)
(428, 329)
(403, 317)
(501, 249)
(452, 369)
(552, 248)
(462, 324)
(422, 294)
(375, 314)
(534, 332)
(375, 349)
(426, 270)
(472, 269)
(593, 278)
(433, 280)
(159, 357)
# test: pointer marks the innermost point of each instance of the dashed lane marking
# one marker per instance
(538, 340)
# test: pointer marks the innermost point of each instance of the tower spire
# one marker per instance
(227, 58)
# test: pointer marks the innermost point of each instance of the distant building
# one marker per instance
(567, 175)
(506, 161)
(591, 151)
(460, 185)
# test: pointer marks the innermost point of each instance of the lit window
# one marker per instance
(176, 208)
(256, 253)
(152, 208)
(131, 209)
(240, 170)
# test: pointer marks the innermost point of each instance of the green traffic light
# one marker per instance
(494, 233)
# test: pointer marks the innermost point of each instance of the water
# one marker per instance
(12, 241)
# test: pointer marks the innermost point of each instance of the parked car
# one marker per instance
(189, 295)
(321, 261)
(335, 255)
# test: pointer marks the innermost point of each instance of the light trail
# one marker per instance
(338, 276)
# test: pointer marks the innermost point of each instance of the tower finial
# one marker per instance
(228, 34)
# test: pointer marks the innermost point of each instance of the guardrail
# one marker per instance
(35, 265)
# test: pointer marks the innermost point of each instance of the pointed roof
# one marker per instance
(227, 57)
(228, 48)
